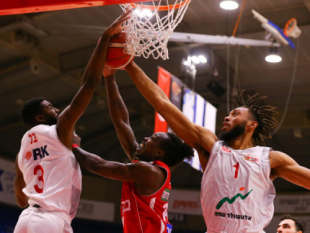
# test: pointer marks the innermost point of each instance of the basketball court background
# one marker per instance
(45, 54)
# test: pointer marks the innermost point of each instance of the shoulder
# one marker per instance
(161, 164)
(42, 128)
(45, 131)
(144, 164)
(147, 171)
(150, 168)
(207, 138)
(278, 159)
(163, 168)
(205, 132)
(219, 145)
(141, 165)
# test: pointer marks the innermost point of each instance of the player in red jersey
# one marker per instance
(146, 180)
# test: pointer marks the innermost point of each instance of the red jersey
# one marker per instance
(146, 213)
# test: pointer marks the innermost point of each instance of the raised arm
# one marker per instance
(140, 172)
(196, 136)
(119, 114)
(287, 168)
(19, 184)
(92, 77)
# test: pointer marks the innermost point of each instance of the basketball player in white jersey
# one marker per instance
(236, 190)
(48, 177)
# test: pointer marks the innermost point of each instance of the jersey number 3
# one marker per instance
(40, 178)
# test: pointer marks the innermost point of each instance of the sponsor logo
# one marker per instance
(233, 199)
(169, 228)
(226, 149)
(165, 195)
(176, 88)
(40, 153)
(235, 216)
(125, 206)
(28, 155)
(251, 158)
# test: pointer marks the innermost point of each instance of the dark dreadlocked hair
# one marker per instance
(261, 114)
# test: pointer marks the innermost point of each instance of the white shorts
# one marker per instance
(37, 220)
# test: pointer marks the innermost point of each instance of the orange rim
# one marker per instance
(160, 8)
(288, 26)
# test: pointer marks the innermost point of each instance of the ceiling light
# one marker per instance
(273, 58)
(147, 12)
(195, 59)
(202, 59)
(143, 13)
(229, 5)
(187, 62)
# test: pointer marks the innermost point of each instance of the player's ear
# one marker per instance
(40, 118)
(253, 124)
(159, 153)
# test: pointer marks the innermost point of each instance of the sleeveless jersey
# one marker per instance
(236, 191)
(51, 172)
(146, 213)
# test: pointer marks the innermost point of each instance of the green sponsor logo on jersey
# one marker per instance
(165, 195)
(232, 200)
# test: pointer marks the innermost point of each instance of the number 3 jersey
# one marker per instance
(236, 191)
(146, 213)
(51, 172)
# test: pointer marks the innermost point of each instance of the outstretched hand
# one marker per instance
(108, 72)
(116, 27)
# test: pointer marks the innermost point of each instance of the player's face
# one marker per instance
(234, 125)
(148, 149)
(236, 117)
(287, 226)
(50, 113)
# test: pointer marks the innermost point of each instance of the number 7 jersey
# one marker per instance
(236, 191)
(51, 172)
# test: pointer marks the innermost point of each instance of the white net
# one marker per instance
(151, 25)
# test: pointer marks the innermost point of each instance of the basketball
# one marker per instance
(116, 57)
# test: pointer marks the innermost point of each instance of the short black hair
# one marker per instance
(176, 150)
(298, 224)
(30, 109)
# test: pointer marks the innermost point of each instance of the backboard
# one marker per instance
(12, 7)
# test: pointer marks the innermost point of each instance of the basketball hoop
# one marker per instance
(151, 25)
(291, 28)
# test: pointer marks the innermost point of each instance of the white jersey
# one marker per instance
(51, 172)
(236, 191)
